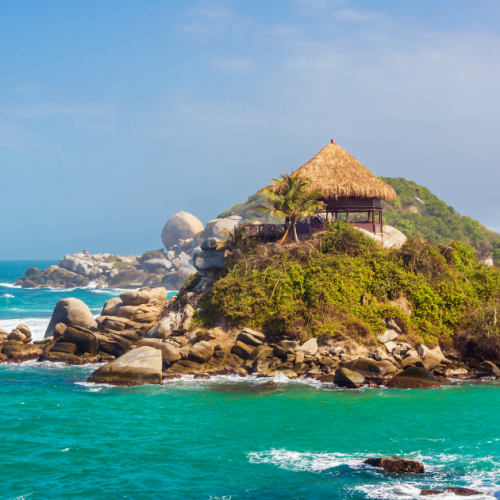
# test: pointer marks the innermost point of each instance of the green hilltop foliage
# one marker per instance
(342, 285)
(429, 218)
(417, 212)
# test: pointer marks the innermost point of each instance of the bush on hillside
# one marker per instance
(343, 285)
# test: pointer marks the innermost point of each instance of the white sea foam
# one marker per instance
(312, 462)
(8, 285)
(90, 387)
(7, 296)
(36, 325)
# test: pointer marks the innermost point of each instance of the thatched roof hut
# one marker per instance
(339, 175)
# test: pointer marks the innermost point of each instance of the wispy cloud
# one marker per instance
(358, 16)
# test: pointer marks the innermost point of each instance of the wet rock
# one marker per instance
(397, 464)
(348, 378)
(461, 492)
(139, 366)
(71, 312)
(414, 378)
(62, 357)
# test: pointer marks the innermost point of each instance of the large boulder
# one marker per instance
(226, 224)
(348, 378)
(139, 366)
(71, 312)
(169, 353)
(414, 378)
(372, 370)
(390, 237)
(208, 259)
(181, 226)
(84, 339)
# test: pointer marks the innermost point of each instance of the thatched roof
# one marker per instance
(339, 175)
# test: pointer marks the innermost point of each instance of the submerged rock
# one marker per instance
(397, 464)
(139, 366)
(461, 492)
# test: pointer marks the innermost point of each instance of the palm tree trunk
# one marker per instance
(295, 237)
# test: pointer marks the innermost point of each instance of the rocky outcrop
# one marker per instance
(348, 378)
(71, 312)
(397, 464)
(140, 366)
(390, 237)
(180, 226)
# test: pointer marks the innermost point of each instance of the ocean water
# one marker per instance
(232, 438)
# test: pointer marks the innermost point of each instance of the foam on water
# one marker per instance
(36, 325)
(311, 462)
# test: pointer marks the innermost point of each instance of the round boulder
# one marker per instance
(181, 226)
(71, 312)
(139, 366)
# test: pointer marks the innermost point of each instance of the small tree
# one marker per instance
(294, 199)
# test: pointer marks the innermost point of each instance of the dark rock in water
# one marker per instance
(348, 378)
(17, 351)
(373, 370)
(461, 492)
(414, 378)
(397, 464)
(487, 369)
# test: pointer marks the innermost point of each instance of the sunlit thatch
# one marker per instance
(339, 175)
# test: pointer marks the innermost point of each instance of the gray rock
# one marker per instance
(201, 352)
(209, 259)
(422, 350)
(388, 336)
(413, 378)
(71, 312)
(226, 224)
(180, 226)
(210, 244)
(152, 264)
(309, 348)
(139, 366)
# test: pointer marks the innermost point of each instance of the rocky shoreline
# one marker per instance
(146, 339)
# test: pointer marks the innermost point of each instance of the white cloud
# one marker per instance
(358, 16)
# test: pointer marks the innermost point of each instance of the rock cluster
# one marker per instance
(397, 464)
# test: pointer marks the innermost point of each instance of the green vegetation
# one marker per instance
(343, 285)
(417, 212)
(294, 200)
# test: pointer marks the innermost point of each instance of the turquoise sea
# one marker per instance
(228, 438)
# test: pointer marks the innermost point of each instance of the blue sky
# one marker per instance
(114, 115)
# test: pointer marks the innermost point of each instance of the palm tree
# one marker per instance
(294, 199)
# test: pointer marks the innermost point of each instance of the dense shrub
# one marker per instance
(343, 286)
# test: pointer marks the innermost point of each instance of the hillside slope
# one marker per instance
(417, 212)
